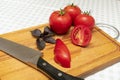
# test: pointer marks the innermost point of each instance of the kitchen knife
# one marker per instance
(33, 57)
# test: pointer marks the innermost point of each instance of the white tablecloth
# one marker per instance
(19, 14)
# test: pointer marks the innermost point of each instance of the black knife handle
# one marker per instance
(53, 72)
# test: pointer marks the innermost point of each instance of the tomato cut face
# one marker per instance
(81, 35)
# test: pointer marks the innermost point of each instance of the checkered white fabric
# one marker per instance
(19, 14)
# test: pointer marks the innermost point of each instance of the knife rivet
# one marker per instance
(44, 64)
(59, 74)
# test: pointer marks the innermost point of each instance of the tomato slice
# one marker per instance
(62, 54)
(81, 35)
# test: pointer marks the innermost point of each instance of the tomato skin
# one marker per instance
(81, 35)
(62, 54)
(73, 11)
(62, 59)
(85, 19)
(60, 23)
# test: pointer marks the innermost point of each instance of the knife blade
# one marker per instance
(33, 57)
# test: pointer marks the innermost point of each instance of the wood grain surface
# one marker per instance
(102, 52)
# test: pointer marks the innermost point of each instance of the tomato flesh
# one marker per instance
(62, 54)
(81, 35)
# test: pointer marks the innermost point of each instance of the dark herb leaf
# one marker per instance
(47, 31)
(42, 35)
(46, 36)
(49, 40)
(40, 44)
(36, 33)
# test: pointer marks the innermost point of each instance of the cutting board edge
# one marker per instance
(107, 36)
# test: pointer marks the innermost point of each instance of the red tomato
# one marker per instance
(62, 54)
(85, 19)
(60, 22)
(81, 35)
(73, 11)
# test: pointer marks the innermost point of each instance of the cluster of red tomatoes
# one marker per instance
(61, 21)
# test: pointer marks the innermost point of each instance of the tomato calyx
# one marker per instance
(86, 12)
(72, 4)
(62, 12)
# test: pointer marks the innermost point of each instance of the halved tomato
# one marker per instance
(81, 35)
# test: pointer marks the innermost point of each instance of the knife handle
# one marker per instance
(53, 72)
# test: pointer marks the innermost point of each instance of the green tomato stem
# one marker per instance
(62, 12)
(72, 4)
(86, 12)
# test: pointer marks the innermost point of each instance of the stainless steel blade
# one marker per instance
(23, 53)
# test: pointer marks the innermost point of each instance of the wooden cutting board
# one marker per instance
(102, 52)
